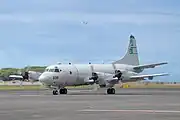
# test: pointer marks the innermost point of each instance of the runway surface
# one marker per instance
(127, 104)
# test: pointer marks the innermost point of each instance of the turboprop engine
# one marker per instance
(104, 79)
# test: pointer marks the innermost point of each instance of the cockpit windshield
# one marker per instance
(55, 69)
(51, 70)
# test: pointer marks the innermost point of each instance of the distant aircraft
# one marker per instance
(85, 22)
(124, 70)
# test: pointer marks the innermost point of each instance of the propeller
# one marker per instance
(25, 73)
(118, 74)
(95, 78)
(29, 75)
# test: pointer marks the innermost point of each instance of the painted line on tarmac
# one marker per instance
(140, 111)
(72, 91)
(31, 95)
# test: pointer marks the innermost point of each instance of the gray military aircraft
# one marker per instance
(126, 69)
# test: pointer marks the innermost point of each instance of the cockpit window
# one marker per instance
(56, 70)
(51, 70)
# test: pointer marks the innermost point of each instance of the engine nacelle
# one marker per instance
(88, 81)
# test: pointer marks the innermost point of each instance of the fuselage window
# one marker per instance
(70, 72)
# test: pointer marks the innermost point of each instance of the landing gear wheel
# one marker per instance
(113, 90)
(63, 91)
(110, 91)
(55, 92)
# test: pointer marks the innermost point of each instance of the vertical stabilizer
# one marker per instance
(131, 56)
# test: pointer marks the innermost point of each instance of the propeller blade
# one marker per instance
(118, 74)
(95, 87)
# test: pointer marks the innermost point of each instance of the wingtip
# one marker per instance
(163, 63)
(167, 74)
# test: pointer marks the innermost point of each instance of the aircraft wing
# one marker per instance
(149, 65)
(150, 76)
(109, 79)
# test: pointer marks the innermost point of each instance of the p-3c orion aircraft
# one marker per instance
(124, 70)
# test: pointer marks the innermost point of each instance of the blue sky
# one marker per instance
(43, 32)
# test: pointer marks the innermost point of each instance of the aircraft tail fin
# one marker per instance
(131, 56)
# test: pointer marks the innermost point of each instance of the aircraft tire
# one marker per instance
(63, 91)
(55, 92)
(110, 91)
(113, 90)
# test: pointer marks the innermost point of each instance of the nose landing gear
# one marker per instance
(61, 91)
(55, 92)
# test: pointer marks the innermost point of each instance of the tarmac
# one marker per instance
(126, 104)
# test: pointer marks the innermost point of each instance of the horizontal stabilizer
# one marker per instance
(148, 76)
(149, 65)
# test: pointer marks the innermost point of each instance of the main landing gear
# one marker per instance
(64, 91)
(61, 91)
(110, 91)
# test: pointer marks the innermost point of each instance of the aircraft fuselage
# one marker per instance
(75, 74)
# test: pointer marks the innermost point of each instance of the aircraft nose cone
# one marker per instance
(45, 78)
(42, 78)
